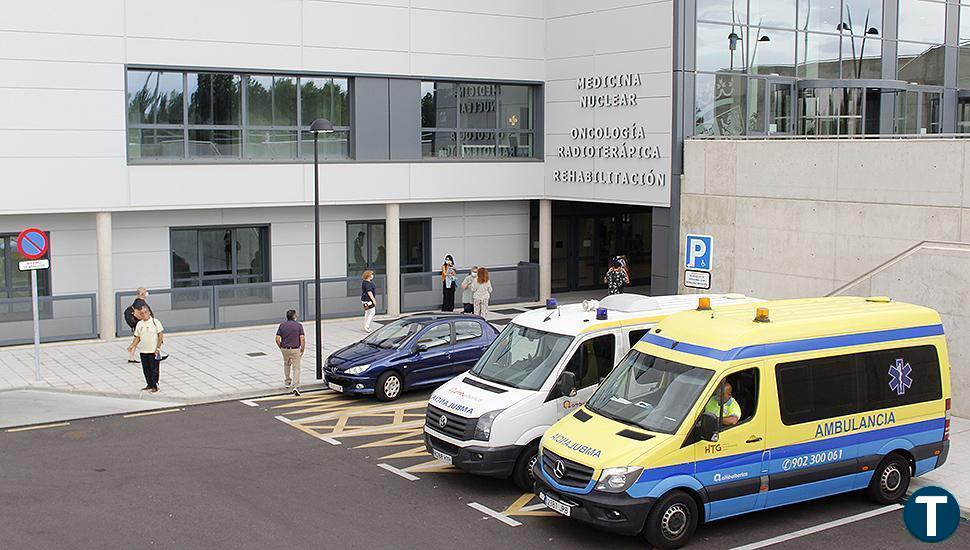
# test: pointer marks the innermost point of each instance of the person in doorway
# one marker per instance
(449, 281)
(131, 318)
(616, 278)
(467, 301)
(291, 340)
(149, 337)
(625, 264)
(732, 411)
(481, 292)
(368, 298)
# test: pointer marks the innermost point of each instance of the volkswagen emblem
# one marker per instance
(560, 469)
(442, 421)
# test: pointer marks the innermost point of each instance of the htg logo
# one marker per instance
(931, 514)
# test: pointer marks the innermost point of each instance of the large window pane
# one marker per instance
(477, 144)
(819, 15)
(725, 11)
(217, 253)
(439, 105)
(214, 143)
(149, 143)
(439, 145)
(335, 145)
(515, 144)
(922, 21)
(477, 105)
(756, 106)
(720, 48)
(773, 13)
(772, 52)
(920, 63)
(271, 144)
(154, 97)
(861, 57)
(719, 105)
(214, 98)
(931, 116)
(327, 98)
(818, 56)
(516, 107)
(185, 254)
(272, 101)
(251, 250)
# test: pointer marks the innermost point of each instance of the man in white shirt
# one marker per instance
(149, 336)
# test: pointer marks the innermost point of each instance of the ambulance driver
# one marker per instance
(732, 411)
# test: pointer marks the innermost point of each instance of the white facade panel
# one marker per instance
(355, 26)
(475, 34)
(104, 17)
(519, 8)
(62, 143)
(75, 109)
(242, 21)
(186, 53)
(62, 47)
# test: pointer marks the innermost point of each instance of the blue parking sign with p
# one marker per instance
(699, 253)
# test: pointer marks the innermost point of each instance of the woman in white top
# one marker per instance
(148, 339)
(481, 292)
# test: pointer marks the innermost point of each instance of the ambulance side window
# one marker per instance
(593, 360)
(636, 335)
(744, 392)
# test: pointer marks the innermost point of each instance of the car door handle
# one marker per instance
(753, 439)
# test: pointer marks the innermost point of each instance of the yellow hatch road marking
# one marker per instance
(520, 508)
(41, 427)
(432, 466)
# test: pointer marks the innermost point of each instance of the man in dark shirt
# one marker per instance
(291, 340)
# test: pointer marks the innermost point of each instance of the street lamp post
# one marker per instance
(319, 126)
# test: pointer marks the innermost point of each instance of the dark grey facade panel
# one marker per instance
(371, 118)
(405, 119)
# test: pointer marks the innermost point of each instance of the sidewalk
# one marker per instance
(954, 476)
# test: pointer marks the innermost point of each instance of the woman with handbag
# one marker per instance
(367, 298)
(449, 282)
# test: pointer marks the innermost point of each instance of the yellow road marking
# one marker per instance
(41, 427)
(394, 440)
(413, 452)
(149, 413)
(520, 508)
(431, 466)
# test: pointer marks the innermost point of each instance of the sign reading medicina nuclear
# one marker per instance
(617, 146)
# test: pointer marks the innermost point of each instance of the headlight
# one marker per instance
(483, 429)
(358, 369)
(617, 480)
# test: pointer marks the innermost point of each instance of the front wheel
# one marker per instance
(890, 480)
(671, 521)
(522, 473)
(388, 387)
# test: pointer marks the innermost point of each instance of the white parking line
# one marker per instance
(401, 473)
(307, 431)
(820, 527)
(250, 403)
(497, 515)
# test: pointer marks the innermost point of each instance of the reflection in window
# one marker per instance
(920, 63)
(365, 248)
(922, 21)
(154, 97)
(963, 115)
(964, 63)
(773, 52)
(220, 255)
(214, 99)
(271, 101)
(773, 13)
(818, 56)
(723, 11)
(439, 105)
(719, 48)
(327, 98)
(214, 143)
(819, 15)
(152, 143)
(439, 145)
(720, 105)
(862, 17)
(830, 111)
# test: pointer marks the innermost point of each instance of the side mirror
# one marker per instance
(420, 348)
(567, 384)
(709, 427)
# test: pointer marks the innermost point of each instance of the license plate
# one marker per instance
(446, 458)
(335, 387)
(554, 504)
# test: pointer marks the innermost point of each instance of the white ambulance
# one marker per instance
(543, 365)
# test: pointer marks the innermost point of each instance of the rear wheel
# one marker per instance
(671, 521)
(388, 386)
(522, 473)
(890, 480)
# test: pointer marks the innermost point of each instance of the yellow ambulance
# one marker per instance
(719, 412)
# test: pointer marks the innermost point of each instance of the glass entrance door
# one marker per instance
(781, 107)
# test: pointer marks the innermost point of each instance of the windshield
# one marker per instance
(522, 357)
(652, 393)
(393, 334)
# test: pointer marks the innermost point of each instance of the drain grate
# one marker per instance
(256, 354)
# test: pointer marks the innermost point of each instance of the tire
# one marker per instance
(671, 521)
(389, 386)
(890, 480)
(522, 473)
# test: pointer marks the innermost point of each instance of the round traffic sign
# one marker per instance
(33, 243)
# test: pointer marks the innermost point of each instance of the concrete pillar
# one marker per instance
(545, 249)
(106, 293)
(392, 255)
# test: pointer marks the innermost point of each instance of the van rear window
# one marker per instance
(830, 387)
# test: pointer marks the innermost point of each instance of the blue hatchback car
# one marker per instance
(415, 351)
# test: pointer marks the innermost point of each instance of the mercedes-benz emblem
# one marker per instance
(560, 469)
(443, 421)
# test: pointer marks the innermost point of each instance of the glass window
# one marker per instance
(653, 393)
(477, 144)
(477, 105)
(819, 56)
(439, 145)
(327, 98)
(636, 335)
(920, 63)
(773, 13)
(862, 17)
(720, 47)
(882, 372)
(521, 357)
(756, 106)
(394, 334)
(13, 282)
(214, 98)
(861, 57)
(742, 387)
(438, 335)
(467, 330)
(772, 52)
(515, 144)
(922, 21)
(335, 145)
(963, 115)
(817, 388)
(815, 15)
(271, 101)
(439, 105)
(214, 143)
(516, 107)
(964, 64)
(415, 249)
(930, 115)
(907, 113)
(154, 97)
(720, 104)
(153, 143)
(220, 255)
(593, 360)
(272, 144)
(724, 11)
(365, 248)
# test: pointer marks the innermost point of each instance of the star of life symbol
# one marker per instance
(899, 377)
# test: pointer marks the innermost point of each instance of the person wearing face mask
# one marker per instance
(467, 301)
(449, 281)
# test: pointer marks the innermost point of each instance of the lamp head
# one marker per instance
(321, 126)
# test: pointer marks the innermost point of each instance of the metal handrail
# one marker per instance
(810, 137)
(930, 245)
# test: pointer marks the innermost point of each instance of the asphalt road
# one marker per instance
(305, 473)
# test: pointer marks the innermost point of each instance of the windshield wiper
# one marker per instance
(601, 412)
(494, 380)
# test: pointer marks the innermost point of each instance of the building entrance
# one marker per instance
(585, 236)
